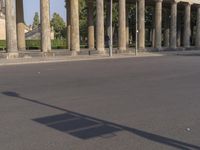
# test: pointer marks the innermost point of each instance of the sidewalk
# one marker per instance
(66, 58)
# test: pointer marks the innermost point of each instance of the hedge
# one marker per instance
(55, 44)
(59, 44)
(35, 44)
(2, 44)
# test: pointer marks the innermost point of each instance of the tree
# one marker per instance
(58, 25)
(36, 20)
(83, 19)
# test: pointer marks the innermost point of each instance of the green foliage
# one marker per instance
(149, 14)
(83, 17)
(55, 44)
(36, 20)
(59, 44)
(32, 44)
(2, 44)
(115, 14)
(58, 25)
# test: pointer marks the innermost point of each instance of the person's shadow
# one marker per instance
(87, 127)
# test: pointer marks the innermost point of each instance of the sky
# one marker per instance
(32, 6)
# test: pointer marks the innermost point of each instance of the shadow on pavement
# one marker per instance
(87, 127)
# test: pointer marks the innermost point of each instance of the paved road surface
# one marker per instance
(121, 104)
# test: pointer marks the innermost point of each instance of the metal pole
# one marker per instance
(111, 34)
(136, 27)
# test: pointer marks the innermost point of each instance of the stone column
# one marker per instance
(11, 35)
(167, 31)
(173, 26)
(141, 24)
(74, 19)
(100, 26)
(45, 26)
(68, 25)
(127, 26)
(187, 26)
(179, 27)
(158, 24)
(90, 25)
(20, 25)
(197, 41)
(153, 29)
(122, 25)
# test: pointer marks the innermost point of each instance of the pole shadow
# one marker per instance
(87, 127)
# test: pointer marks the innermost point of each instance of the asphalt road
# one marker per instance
(150, 103)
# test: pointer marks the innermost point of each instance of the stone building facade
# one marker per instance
(30, 34)
(162, 35)
(35, 34)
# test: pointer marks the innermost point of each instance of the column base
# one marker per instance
(197, 45)
(172, 47)
(122, 50)
(12, 55)
(48, 54)
(22, 49)
(91, 48)
(74, 53)
(142, 49)
(101, 51)
(186, 47)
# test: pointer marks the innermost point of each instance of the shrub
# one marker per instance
(55, 44)
(32, 44)
(2, 44)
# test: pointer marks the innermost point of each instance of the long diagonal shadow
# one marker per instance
(87, 127)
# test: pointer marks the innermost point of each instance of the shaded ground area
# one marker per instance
(133, 103)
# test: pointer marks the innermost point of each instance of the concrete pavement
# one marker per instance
(34, 57)
(65, 58)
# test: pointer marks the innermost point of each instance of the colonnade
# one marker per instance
(15, 25)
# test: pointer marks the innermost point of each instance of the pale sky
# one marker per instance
(32, 6)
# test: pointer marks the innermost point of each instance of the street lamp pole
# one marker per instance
(136, 27)
(111, 32)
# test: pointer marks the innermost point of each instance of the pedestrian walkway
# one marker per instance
(51, 59)
(36, 57)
